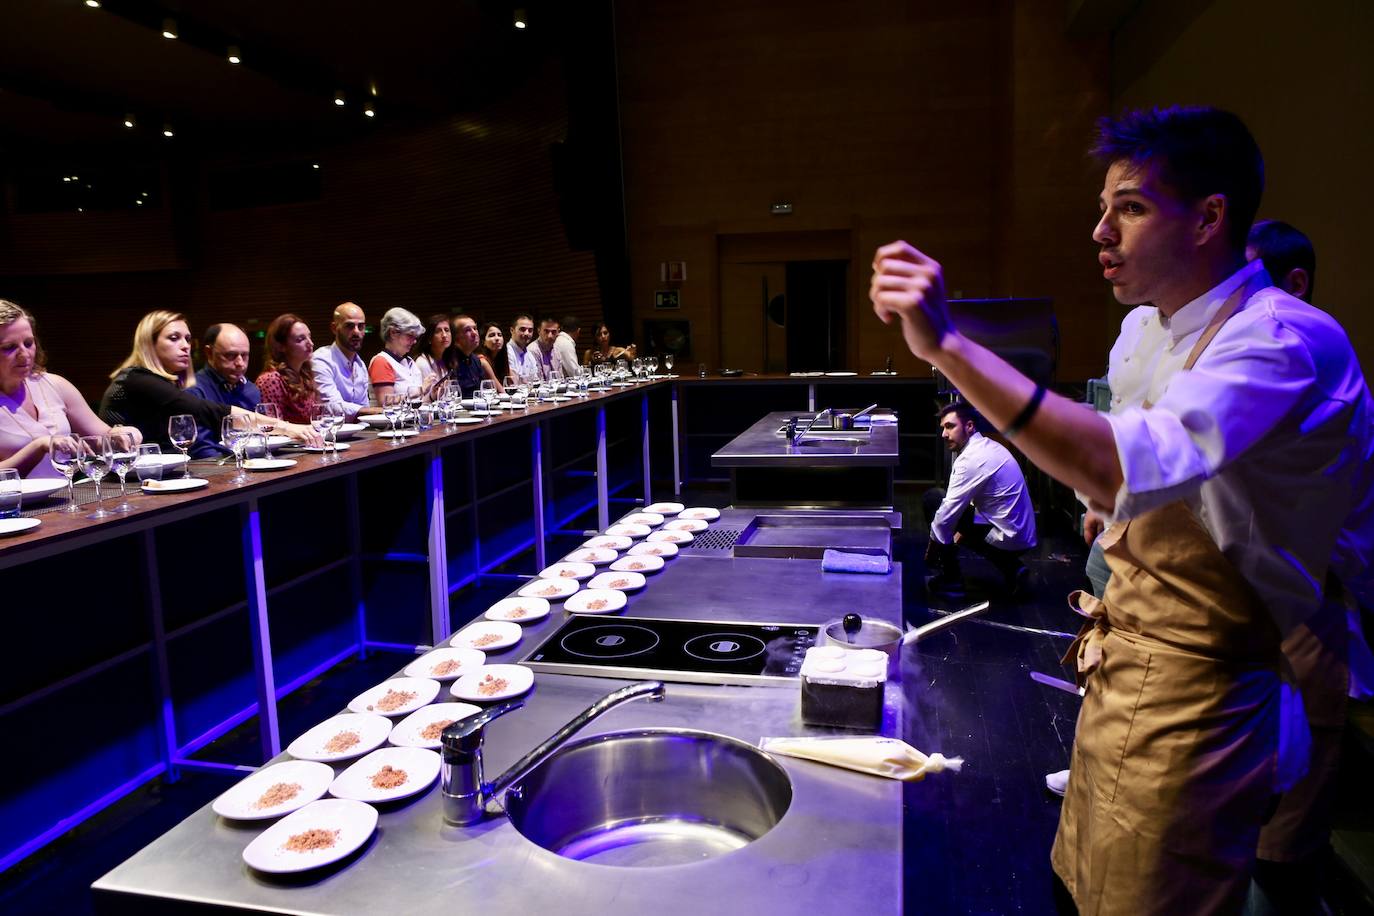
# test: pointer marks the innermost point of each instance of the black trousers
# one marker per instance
(943, 559)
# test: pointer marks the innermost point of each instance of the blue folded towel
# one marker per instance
(850, 562)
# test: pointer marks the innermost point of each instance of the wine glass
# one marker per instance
(181, 429)
(96, 456)
(148, 462)
(270, 418)
(651, 363)
(321, 420)
(65, 454)
(488, 392)
(668, 364)
(337, 418)
(121, 463)
(622, 367)
(233, 433)
(393, 403)
(638, 366)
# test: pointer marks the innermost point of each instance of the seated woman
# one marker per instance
(493, 351)
(394, 369)
(433, 342)
(148, 388)
(288, 380)
(602, 349)
(36, 404)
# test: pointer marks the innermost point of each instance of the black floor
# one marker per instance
(976, 841)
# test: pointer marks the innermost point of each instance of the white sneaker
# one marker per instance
(1057, 782)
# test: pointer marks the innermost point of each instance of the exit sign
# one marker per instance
(667, 299)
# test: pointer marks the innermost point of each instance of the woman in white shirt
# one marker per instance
(393, 369)
(36, 405)
(437, 338)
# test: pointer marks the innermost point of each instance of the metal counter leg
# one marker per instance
(251, 528)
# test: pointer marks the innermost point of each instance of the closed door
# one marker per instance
(753, 331)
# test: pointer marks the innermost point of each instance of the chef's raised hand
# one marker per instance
(909, 286)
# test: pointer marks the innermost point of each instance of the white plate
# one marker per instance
(175, 485)
(672, 537)
(349, 430)
(378, 420)
(652, 519)
(16, 525)
(468, 421)
(407, 731)
(701, 512)
(609, 542)
(628, 531)
(597, 556)
(686, 524)
(610, 599)
(269, 464)
(550, 589)
(660, 549)
(276, 442)
(421, 768)
(665, 508)
(484, 413)
(641, 563)
(568, 571)
(618, 581)
(40, 487)
(240, 803)
(397, 434)
(171, 460)
(423, 688)
(840, 374)
(425, 665)
(353, 821)
(469, 637)
(518, 680)
(370, 728)
(320, 449)
(520, 610)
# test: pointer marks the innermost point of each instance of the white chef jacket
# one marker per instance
(341, 378)
(1268, 436)
(986, 475)
(524, 362)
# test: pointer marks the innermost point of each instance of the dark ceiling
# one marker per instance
(69, 73)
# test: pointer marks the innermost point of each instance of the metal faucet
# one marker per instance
(467, 798)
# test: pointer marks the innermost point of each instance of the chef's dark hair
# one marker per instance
(1200, 151)
(1283, 248)
(964, 411)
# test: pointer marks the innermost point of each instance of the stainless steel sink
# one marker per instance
(650, 797)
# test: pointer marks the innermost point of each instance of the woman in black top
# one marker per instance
(148, 388)
(493, 351)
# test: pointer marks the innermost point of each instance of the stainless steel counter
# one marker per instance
(762, 446)
(837, 850)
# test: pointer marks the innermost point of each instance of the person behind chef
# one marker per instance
(1209, 568)
(985, 509)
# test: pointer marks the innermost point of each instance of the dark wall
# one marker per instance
(456, 213)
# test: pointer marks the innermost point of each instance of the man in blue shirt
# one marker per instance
(222, 381)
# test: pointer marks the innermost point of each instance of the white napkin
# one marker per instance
(872, 754)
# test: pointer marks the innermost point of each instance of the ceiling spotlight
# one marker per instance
(372, 88)
(519, 18)
(167, 131)
(234, 56)
(66, 178)
(93, 4)
(314, 165)
(369, 112)
(169, 28)
(339, 99)
(129, 122)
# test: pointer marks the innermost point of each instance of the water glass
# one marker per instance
(668, 363)
(148, 462)
(96, 457)
(65, 454)
(121, 463)
(233, 430)
(11, 493)
(393, 403)
(181, 429)
(651, 363)
(321, 420)
(269, 418)
(638, 366)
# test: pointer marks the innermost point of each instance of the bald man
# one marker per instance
(223, 380)
(340, 373)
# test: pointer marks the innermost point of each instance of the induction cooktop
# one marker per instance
(694, 651)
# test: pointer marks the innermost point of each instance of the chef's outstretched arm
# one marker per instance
(1073, 445)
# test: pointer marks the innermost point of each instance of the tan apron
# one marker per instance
(1173, 763)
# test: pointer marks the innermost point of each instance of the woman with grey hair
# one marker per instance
(393, 369)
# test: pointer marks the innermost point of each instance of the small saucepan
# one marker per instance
(855, 632)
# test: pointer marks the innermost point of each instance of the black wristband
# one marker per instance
(1024, 417)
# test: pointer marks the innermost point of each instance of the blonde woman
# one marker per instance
(149, 387)
(36, 404)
